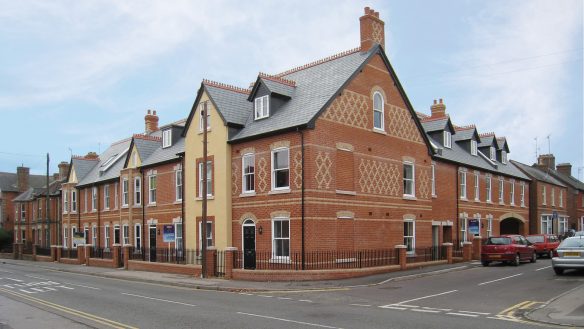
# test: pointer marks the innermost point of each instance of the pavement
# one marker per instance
(566, 309)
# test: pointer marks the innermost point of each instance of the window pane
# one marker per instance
(377, 119)
(282, 177)
(281, 159)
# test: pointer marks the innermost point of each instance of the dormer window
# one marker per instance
(473, 147)
(262, 107)
(492, 153)
(503, 157)
(447, 139)
(166, 138)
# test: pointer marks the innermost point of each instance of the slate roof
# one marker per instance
(315, 87)
(146, 147)
(27, 195)
(487, 140)
(99, 173)
(232, 105)
(82, 166)
(278, 88)
(537, 173)
(9, 181)
(165, 154)
(431, 125)
(463, 157)
(465, 134)
(36, 192)
(567, 179)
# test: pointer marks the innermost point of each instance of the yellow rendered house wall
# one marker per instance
(73, 176)
(218, 206)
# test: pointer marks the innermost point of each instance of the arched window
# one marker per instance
(378, 111)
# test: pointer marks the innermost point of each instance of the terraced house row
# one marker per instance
(325, 157)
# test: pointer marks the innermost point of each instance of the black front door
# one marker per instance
(249, 258)
(152, 243)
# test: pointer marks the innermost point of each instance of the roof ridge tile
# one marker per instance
(226, 86)
(318, 62)
(278, 79)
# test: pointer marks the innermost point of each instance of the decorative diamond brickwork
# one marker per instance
(323, 174)
(350, 108)
(376, 177)
(262, 174)
(234, 178)
(298, 169)
(377, 33)
(402, 125)
(424, 185)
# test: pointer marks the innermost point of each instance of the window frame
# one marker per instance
(477, 187)
(553, 197)
(245, 175)
(501, 191)
(107, 235)
(380, 111)
(126, 234)
(549, 224)
(94, 198)
(447, 139)
(261, 101)
(209, 179)
(275, 171)
(65, 203)
(106, 197)
(492, 153)
(544, 195)
(178, 240)
(411, 181)
(512, 193)
(522, 194)
(504, 157)
(74, 200)
(94, 236)
(474, 147)
(125, 192)
(178, 192)
(412, 237)
(208, 234)
(117, 237)
(462, 177)
(489, 227)
(152, 191)
(285, 239)
(166, 138)
(138, 236)
(464, 229)
(561, 199)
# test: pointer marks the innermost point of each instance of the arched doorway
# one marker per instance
(248, 241)
(511, 226)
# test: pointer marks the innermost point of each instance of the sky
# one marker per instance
(76, 76)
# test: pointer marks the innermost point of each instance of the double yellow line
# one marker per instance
(61, 308)
(510, 312)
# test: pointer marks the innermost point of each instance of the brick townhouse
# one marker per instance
(325, 156)
(474, 180)
(12, 185)
(126, 194)
(574, 196)
(548, 210)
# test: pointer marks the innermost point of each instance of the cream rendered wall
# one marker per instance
(73, 176)
(219, 205)
(135, 160)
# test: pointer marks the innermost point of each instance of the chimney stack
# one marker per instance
(151, 122)
(438, 109)
(22, 175)
(564, 168)
(63, 170)
(547, 161)
(372, 30)
(91, 156)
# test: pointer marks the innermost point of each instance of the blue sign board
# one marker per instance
(168, 233)
(473, 226)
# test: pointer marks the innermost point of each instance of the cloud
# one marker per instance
(515, 70)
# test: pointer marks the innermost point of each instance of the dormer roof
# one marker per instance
(276, 85)
(488, 140)
(502, 144)
(437, 124)
(466, 133)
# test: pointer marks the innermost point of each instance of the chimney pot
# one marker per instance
(151, 122)
(366, 10)
(22, 176)
(565, 168)
(438, 110)
(63, 170)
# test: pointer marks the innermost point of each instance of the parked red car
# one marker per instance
(507, 248)
(544, 244)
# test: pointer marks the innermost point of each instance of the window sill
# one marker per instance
(463, 199)
(280, 260)
(178, 202)
(125, 207)
(477, 200)
(282, 191)
(501, 203)
(201, 131)
(410, 197)
(247, 194)
(346, 192)
(151, 205)
(379, 131)
(434, 196)
(137, 206)
(209, 197)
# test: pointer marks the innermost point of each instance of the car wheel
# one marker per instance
(517, 260)
(485, 263)
(559, 271)
(533, 258)
(551, 254)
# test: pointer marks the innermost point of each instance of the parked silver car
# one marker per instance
(569, 255)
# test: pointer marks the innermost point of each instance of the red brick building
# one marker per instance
(475, 185)
(126, 194)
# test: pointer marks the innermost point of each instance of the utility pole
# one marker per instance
(48, 205)
(535, 148)
(204, 191)
(549, 144)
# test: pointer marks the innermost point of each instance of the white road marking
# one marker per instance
(265, 296)
(8, 286)
(158, 299)
(80, 285)
(463, 314)
(287, 320)
(361, 305)
(507, 277)
(51, 289)
(35, 277)
(430, 296)
(66, 287)
(406, 305)
(37, 289)
(6, 272)
(470, 312)
(15, 280)
(424, 311)
(393, 307)
(439, 309)
(243, 293)
(417, 275)
(543, 268)
(305, 300)
(28, 292)
(284, 298)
